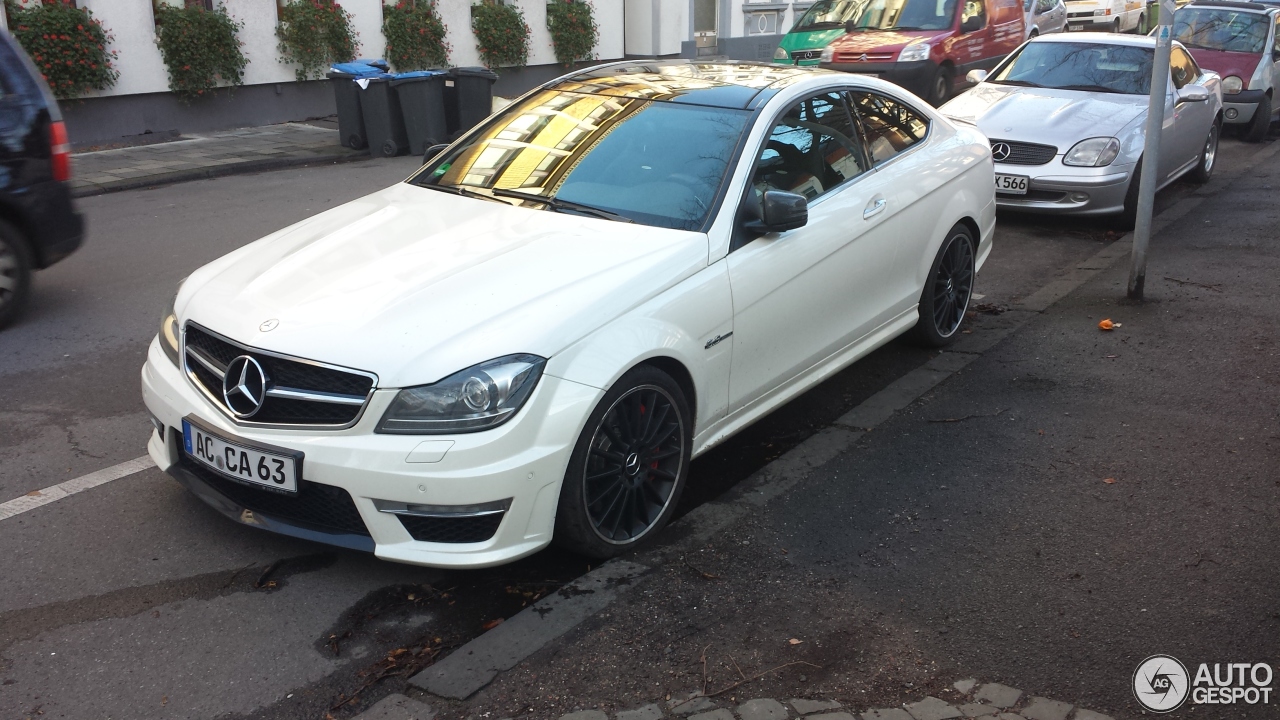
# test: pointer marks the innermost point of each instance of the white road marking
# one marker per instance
(36, 498)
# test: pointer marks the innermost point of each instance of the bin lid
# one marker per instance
(354, 69)
(379, 63)
(474, 72)
(417, 76)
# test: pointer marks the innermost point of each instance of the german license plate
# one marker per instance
(1076, 28)
(275, 468)
(1012, 184)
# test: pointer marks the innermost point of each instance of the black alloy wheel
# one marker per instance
(15, 273)
(629, 467)
(948, 289)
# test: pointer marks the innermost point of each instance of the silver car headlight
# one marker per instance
(481, 397)
(828, 54)
(914, 52)
(1094, 152)
(169, 331)
(781, 54)
(1232, 85)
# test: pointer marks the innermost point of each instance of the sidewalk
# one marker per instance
(200, 156)
(1067, 504)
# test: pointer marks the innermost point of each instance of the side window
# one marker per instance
(1276, 34)
(890, 126)
(1183, 68)
(812, 149)
(974, 16)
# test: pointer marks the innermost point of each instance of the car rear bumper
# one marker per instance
(915, 77)
(355, 484)
(52, 224)
(1056, 189)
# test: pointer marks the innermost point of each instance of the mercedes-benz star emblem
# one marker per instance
(244, 387)
(1000, 151)
(268, 325)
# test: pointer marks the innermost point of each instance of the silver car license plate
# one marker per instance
(1012, 184)
(275, 468)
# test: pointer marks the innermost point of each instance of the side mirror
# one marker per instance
(432, 152)
(780, 211)
(976, 76)
(1193, 93)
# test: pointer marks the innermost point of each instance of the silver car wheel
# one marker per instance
(1210, 150)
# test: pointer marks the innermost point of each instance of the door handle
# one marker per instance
(875, 208)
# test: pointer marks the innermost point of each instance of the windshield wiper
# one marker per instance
(456, 190)
(1019, 83)
(1089, 88)
(559, 204)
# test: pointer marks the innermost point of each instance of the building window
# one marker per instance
(761, 23)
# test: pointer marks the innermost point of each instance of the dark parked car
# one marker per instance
(38, 222)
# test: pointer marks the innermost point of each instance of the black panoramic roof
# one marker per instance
(718, 84)
(1237, 4)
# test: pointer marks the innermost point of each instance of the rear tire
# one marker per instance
(944, 302)
(1208, 156)
(1257, 129)
(629, 467)
(15, 273)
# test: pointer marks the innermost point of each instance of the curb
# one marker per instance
(523, 638)
(213, 171)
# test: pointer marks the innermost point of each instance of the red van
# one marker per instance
(927, 46)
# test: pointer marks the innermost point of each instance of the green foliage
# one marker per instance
(200, 49)
(415, 36)
(315, 34)
(66, 44)
(573, 30)
(502, 37)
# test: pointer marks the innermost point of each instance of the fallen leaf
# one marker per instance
(412, 597)
(1106, 324)
(492, 624)
(794, 641)
(1109, 481)
(1110, 357)
(34, 493)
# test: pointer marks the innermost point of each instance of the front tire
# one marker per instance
(940, 87)
(1208, 155)
(1257, 129)
(947, 290)
(15, 273)
(629, 467)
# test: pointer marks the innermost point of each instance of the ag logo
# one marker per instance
(1161, 683)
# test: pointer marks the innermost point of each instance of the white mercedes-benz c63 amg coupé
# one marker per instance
(530, 338)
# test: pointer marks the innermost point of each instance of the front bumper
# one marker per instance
(916, 77)
(522, 461)
(1093, 23)
(1244, 104)
(1062, 189)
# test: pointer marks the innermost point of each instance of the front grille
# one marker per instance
(315, 506)
(806, 55)
(865, 57)
(334, 397)
(1080, 15)
(452, 529)
(1021, 153)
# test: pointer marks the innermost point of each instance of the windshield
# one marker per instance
(656, 163)
(906, 15)
(828, 14)
(1221, 29)
(1079, 66)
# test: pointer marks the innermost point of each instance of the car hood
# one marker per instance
(1226, 64)
(415, 284)
(1044, 115)
(809, 39)
(880, 41)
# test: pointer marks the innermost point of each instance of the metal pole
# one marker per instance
(1151, 150)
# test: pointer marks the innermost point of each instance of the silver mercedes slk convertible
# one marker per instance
(1066, 116)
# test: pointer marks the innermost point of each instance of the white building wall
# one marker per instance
(142, 69)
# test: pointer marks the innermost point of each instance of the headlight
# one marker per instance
(914, 52)
(1094, 152)
(169, 333)
(828, 54)
(1099, 12)
(1232, 85)
(478, 398)
(781, 54)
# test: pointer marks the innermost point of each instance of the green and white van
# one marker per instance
(823, 22)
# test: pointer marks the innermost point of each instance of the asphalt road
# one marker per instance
(134, 600)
